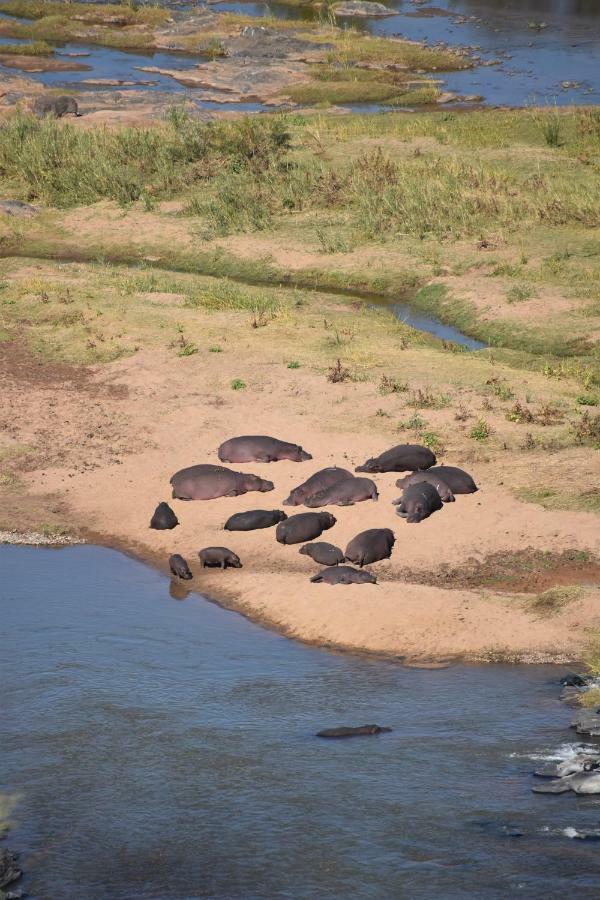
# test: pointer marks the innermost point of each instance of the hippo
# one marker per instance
(60, 106)
(323, 553)
(457, 480)
(260, 448)
(586, 782)
(163, 517)
(418, 502)
(321, 480)
(344, 575)
(304, 527)
(344, 732)
(344, 493)
(253, 519)
(403, 458)
(370, 546)
(429, 475)
(179, 567)
(207, 482)
(212, 557)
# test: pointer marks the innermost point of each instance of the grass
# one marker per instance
(481, 430)
(587, 500)
(127, 13)
(237, 384)
(591, 657)
(590, 698)
(35, 48)
(553, 601)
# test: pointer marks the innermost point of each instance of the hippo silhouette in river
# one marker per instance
(60, 106)
(453, 479)
(253, 519)
(260, 448)
(163, 517)
(320, 481)
(370, 546)
(219, 556)
(344, 493)
(207, 482)
(344, 575)
(179, 567)
(304, 527)
(402, 458)
(323, 553)
(348, 731)
(418, 502)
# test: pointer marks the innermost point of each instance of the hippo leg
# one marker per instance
(401, 511)
(223, 564)
(345, 503)
(316, 578)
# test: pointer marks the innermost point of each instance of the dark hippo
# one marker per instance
(304, 527)
(371, 545)
(260, 448)
(207, 482)
(429, 475)
(323, 553)
(320, 481)
(418, 502)
(344, 493)
(179, 567)
(403, 458)
(60, 106)
(212, 557)
(344, 575)
(163, 517)
(253, 519)
(457, 480)
(344, 732)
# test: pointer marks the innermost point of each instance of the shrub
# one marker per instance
(481, 430)
(237, 384)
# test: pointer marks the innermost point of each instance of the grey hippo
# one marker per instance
(320, 481)
(586, 782)
(179, 567)
(343, 575)
(456, 480)
(349, 731)
(304, 527)
(418, 502)
(344, 493)
(212, 557)
(370, 546)
(402, 458)
(163, 517)
(60, 106)
(323, 553)
(207, 482)
(260, 448)
(430, 476)
(254, 519)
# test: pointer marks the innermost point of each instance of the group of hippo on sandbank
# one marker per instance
(424, 491)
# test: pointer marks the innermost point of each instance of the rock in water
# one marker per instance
(9, 870)
(363, 8)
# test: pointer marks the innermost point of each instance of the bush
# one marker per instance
(481, 430)
(237, 384)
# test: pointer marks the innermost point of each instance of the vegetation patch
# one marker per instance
(552, 601)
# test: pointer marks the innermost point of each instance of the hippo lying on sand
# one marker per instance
(455, 480)
(206, 482)
(370, 546)
(344, 732)
(260, 448)
(219, 556)
(63, 105)
(179, 567)
(323, 553)
(430, 476)
(344, 575)
(163, 517)
(403, 458)
(253, 519)
(418, 502)
(344, 493)
(320, 481)
(304, 527)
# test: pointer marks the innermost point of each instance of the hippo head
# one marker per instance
(281, 516)
(315, 500)
(302, 456)
(371, 465)
(415, 511)
(256, 483)
(304, 549)
(234, 561)
(295, 498)
(327, 520)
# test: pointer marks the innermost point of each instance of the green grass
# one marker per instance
(553, 601)
(237, 384)
(37, 48)
(128, 13)
(587, 500)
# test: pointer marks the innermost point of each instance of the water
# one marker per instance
(165, 749)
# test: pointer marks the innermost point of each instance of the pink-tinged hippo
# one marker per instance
(253, 519)
(63, 105)
(430, 476)
(179, 567)
(344, 575)
(352, 731)
(260, 448)
(320, 481)
(456, 480)
(418, 502)
(323, 553)
(304, 527)
(344, 493)
(370, 546)
(163, 517)
(221, 557)
(403, 458)
(207, 482)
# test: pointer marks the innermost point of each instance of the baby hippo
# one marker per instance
(179, 567)
(344, 493)
(304, 527)
(323, 553)
(221, 557)
(253, 519)
(163, 517)
(58, 107)
(370, 546)
(344, 575)
(418, 502)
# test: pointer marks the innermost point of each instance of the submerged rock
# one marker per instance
(363, 8)
(346, 731)
(9, 869)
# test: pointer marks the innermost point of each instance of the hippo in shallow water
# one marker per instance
(179, 567)
(418, 502)
(323, 553)
(254, 519)
(163, 517)
(348, 731)
(219, 556)
(304, 527)
(370, 546)
(430, 476)
(60, 106)
(344, 575)
(206, 482)
(456, 480)
(260, 448)
(586, 782)
(344, 493)
(402, 458)
(320, 481)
